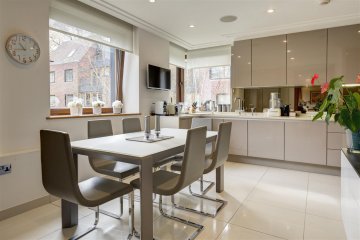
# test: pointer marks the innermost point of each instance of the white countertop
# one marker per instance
(247, 115)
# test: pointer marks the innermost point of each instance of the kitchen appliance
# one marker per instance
(285, 110)
(241, 105)
(159, 108)
(274, 105)
(223, 102)
(158, 78)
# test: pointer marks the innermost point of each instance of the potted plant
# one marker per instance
(117, 106)
(76, 107)
(97, 105)
(343, 106)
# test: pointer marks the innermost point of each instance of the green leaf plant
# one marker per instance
(343, 107)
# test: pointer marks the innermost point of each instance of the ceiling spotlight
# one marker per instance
(292, 58)
(239, 56)
(191, 26)
(152, 1)
(289, 51)
(359, 31)
(270, 10)
(324, 2)
(229, 18)
(284, 41)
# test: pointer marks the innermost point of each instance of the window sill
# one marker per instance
(92, 115)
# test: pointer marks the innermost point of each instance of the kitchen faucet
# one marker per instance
(241, 104)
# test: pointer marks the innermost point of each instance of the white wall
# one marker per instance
(24, 100)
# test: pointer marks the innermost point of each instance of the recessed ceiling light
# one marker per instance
(284, 41)
(249, 63)
(270, 10)
(359, 31)
(239, 56)
(152, 1)
(292, 58)
(191, 26)
(289, 51)
(228, 18)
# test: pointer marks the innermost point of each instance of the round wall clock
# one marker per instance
(22, 48)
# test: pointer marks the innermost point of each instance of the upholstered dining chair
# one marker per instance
(120, 170)
(59, 177)
(218, 158)
(169, 183)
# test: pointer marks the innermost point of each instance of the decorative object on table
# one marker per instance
(157, 126)
(117, 106)
(151, 139)
(344, 105)
(315, 97)
(97, 105)
(22, 48)
(159, 108)
(147, 127)
(170, 108)
(193, 107)
(76, 107)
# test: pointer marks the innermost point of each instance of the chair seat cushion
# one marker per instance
(99, 190)
(177, 166)
(117, 169)
(164, 182)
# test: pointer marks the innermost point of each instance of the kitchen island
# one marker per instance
(289, 142)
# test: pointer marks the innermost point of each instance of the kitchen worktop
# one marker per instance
(247, 115)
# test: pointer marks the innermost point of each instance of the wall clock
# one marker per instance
(22, 48)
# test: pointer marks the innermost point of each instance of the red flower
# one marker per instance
(316, 76)
(358, 78)
(324, 87)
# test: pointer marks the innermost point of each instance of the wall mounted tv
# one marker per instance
(158, 78)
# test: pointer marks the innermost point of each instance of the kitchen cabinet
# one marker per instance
(238, 138)
(305, 142)
(185, 123)
(344, 52)
(334, 158)
(336, 141)
(215, 123)
(269, 61)
(241, 64)
(266, 139)
(306, 55)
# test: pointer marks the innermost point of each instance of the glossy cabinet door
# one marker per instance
(215, 123)
(306, 55)
(241, 64)
(305, 141)
(269, 61)
(266, 139)
(238, 138)
(344, 52)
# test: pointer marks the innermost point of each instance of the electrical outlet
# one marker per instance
(5, 169)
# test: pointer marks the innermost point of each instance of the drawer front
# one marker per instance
(334, 158)
(336, 141)
(335, 128)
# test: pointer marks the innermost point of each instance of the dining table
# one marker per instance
(143, 154)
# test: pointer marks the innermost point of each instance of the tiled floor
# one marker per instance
(263, 203)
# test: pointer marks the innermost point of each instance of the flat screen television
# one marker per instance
(158, 78)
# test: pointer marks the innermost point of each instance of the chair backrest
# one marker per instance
(194, 157)
(221, 152)
(131, 125)
(59, 174)
(200, 122)
(99, 128)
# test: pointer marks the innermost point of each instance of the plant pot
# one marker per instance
(97, 110)
(117, 110)
(353, 141)
(76, 111)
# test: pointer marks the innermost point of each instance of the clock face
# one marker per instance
(23, 49)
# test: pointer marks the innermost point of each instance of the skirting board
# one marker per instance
(10, 212)
(286, 165)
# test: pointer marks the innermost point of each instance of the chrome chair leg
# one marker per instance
(132, 230)
(198, 227)
(202, 181)
(75, 237)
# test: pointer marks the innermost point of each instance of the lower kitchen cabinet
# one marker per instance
(334, 158)
(266, 139)
(305, 142)
(185, 123)
(215, 123)
(239, 137)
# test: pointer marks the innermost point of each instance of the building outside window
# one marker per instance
(221, 72)
(68, 75)
(52, 77)
(68, 98)
(53, 101)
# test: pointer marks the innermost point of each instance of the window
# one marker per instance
(68, 98)
(53, 101)
(52, 77)
(68, 75)
(222, 72)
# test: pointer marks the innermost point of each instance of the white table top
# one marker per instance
(117, 145)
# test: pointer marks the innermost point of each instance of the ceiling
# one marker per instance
(170, 19)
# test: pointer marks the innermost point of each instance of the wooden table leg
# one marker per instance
(220, 179)
(69, 210)
(146, 209)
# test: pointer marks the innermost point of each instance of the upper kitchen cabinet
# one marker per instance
(269, 61)
(306, 55)
(241, 64)
(344, 52)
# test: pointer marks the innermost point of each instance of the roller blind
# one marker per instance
(209, 57)
(177, 55)
(98, 26)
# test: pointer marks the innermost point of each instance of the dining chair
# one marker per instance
(131, 125)
(199, 122)
(219, 157)
(59, 177)
(119, 170)
(167, 183)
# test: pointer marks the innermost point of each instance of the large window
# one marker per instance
(204, 83)
(88, 68)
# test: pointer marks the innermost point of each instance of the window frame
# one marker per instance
(72, 74)
(54, 74)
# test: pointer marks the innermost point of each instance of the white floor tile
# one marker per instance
(232, 232)
(320, 228)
